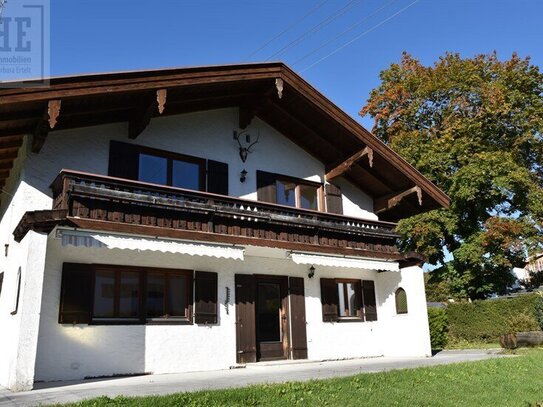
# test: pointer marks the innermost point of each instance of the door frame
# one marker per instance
(285, 317)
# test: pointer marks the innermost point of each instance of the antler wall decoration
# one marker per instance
(245, 150)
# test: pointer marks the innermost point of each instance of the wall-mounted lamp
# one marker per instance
(311, 272)
(242, 176)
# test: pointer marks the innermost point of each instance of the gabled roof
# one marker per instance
(271, 91)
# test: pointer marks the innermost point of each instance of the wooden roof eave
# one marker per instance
(145, 81)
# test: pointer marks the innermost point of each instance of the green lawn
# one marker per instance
(515, 381)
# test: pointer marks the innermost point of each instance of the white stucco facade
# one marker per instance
(79, 351)
(35, 347)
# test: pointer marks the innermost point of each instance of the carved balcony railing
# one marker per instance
(132, 204)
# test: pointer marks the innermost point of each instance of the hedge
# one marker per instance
(486, 320)
(437, 319)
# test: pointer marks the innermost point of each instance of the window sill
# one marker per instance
(139, 322)
(350, 319)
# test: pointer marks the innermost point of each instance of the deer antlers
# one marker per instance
(244, 151)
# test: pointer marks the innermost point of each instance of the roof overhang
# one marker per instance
(270, 91)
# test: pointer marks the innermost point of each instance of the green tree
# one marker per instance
(473, 126)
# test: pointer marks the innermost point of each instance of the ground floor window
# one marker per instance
(348, 300)
(110, 294)
(401, 301)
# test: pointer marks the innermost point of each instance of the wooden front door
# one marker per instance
(271, 312)
(263, 311)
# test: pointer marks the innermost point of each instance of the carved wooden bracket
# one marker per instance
(279, 86)
(47, 122)
(53, 111)
(346, 165)
(161, 99)
(141, 117)
(388, 202)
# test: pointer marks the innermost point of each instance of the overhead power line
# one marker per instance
(288, 28)
(359, 36)
(345, 32)
(316, 28)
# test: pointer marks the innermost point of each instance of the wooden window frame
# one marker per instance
(170, 157)
(297, 195)
(142, 318)
(398, 291)
(360, 317)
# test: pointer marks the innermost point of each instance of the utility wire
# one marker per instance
(345, 31)
(316, 28)
(359, 36)
(294, 23)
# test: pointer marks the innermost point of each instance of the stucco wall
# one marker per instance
(203, 134)
(74, 352)
(18, 331)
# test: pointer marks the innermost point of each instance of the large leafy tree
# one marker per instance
(473, 126)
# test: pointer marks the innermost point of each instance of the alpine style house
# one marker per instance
(195, 219)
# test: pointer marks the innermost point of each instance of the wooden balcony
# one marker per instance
(98, 202)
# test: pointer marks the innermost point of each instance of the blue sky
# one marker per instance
(112, 35)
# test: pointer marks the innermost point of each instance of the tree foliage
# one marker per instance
(473, 126)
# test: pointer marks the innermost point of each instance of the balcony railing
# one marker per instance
(98, 197)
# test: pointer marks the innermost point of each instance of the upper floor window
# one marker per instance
(289, 191)
(181, 171)
(155, 166)
(401, 301)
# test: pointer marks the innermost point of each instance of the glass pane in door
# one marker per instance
(268, 312)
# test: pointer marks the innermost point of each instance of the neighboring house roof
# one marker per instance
(271, 91)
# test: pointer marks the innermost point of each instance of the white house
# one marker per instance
(195, 219)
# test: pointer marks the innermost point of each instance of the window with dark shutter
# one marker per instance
(297, 315)
(141, 163)
(368, 295)
(217, 177)
(76, 294)
(333, 199)
(205, 298)
(1, 281)
(329, 300)
(16, 307)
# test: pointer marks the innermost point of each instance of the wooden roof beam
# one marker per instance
(346, 165)
(142, 116)
(47, 122)
(388, 202)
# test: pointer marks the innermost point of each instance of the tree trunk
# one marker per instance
(521, 339)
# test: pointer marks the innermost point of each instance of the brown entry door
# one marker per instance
(271, 317)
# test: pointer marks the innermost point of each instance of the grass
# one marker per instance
(513, 381)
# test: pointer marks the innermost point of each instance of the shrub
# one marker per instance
(486, 320)
(539, 310)
(437, 319)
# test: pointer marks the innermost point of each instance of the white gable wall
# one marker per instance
(203, 134)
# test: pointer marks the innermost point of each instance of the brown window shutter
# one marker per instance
(123, 160)
(76, 294)
(245, 318)
(205, 298)
(333, 199)
(368, 295)
(217, 177)
(265, 186)
(297, 316)
(358, 306)
(329, 300)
